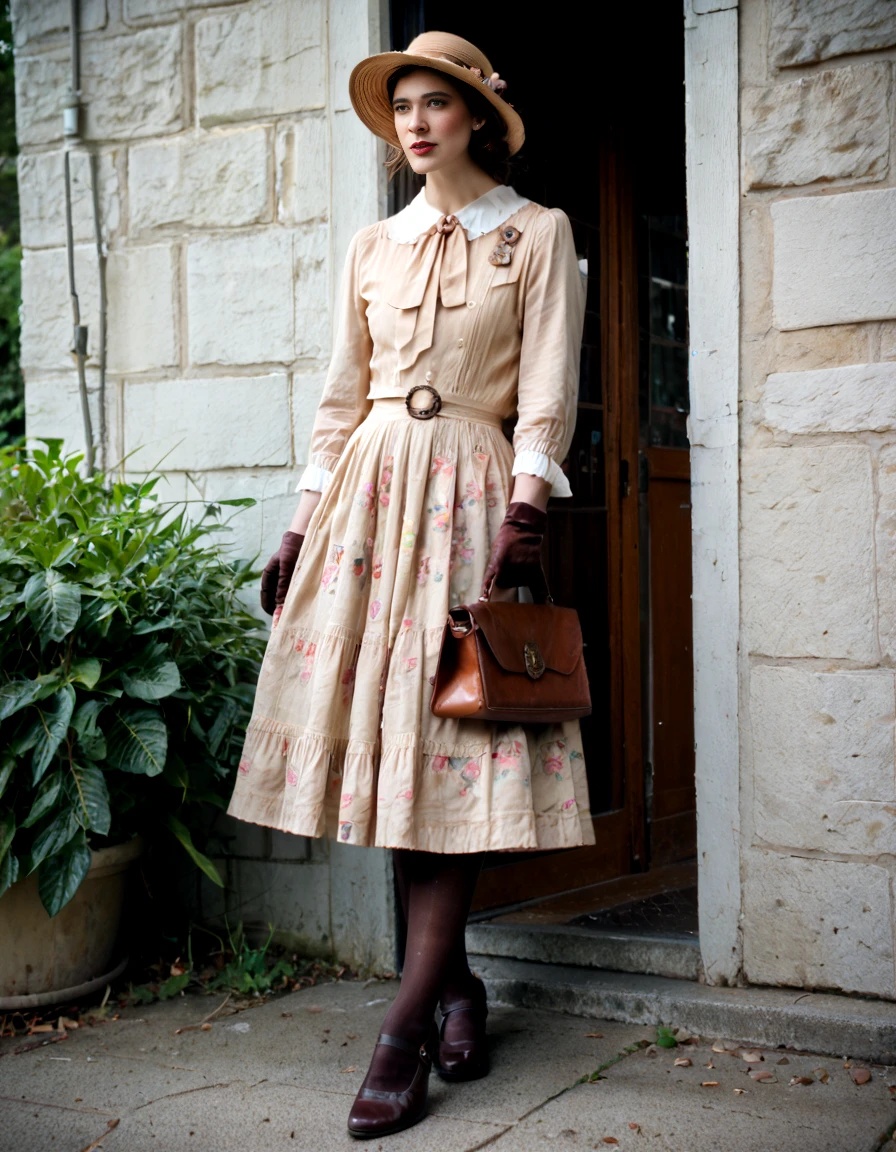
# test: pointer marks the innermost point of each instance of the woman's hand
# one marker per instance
(515, 559)
(278, 572)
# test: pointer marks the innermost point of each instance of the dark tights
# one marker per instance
(436, 890)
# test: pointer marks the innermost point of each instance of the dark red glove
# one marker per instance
(278, 572)
(515, 560)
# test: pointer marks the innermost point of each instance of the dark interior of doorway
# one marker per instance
(602, 97)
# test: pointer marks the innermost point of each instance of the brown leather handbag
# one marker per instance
(511, 662)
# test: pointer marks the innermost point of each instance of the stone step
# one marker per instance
(825, 1023)
(675, 956)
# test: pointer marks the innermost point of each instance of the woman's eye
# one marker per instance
(437, 103)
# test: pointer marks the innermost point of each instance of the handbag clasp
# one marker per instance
(534, 660)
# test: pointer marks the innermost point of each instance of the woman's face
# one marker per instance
(433, 123)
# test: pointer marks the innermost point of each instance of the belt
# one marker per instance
(398, 408)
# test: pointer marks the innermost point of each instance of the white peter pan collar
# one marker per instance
(477, 218)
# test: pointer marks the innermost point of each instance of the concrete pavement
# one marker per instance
(282, 1075)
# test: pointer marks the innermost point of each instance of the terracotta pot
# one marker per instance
(47, 960)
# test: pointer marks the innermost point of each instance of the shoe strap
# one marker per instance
(397, 1042)
(460, 1006)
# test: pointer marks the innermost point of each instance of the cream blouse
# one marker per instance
(419, 306)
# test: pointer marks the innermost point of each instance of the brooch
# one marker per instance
(503, 252)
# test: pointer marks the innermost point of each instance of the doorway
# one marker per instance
(602, 98)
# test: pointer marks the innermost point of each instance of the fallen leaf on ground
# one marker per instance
(739, 1091)
(763, 1076)
(783, 1060)
(610, 1140)
(634, 1127)
(594, 1035)
(718, 1046)
(752, 1056)
(801, 1080)
(709, 1065)
(860, 1075)
(821, 1074)
(351, 1035)
(650, 1050)
(64, 1022)
(286, 1015)
(351, 1068)
(683, 1062)
(313, 1008)
(205, 1027)
(709, 1083)
(41, 1028)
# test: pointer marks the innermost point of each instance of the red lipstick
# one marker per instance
(422, 147)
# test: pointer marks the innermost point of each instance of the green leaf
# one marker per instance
(60, 876)
(152, 683)
(53, 604)
(182, 832)
(7, 765)
(7, 832)
(93, 798)
(54, 721)
(9, 871)
(138, 742)
(45, 799)
(144, 626)
(238, 502)
(86, 671)
(54, 837)
(17, 694)
(174, 985)
(665, 1038)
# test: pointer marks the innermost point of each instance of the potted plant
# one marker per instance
(128, 665)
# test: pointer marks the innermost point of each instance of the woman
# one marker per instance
(458, 311)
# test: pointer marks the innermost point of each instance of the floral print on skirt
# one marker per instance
(342, 741)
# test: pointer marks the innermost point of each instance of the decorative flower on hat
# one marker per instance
(497, 85)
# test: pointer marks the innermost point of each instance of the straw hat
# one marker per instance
(443, 52)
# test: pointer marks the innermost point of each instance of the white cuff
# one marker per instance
(314, 479)
(540, 464)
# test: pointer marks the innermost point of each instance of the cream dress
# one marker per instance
(342, 741)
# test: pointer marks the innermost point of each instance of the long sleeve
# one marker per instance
(343, 404)
(553, 317)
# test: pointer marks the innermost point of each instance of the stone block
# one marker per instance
(240, 298)
(886, 550)
(266, 59)
(53, 410)
(818, 924)
(306, 393)
(42, 198)
(835, 258)
(857, 398)
(211, 180)
(207, 424)
(807, 552)
(358, 174)
(47, 311)
(804, 31)
(253, 533)
(140, 287)
(32, 19)
(132, 86)
(312, 314)
(351, 38)
(137, 10)
(823, 755)
(888, 340)
(835, 125)
(303, 172)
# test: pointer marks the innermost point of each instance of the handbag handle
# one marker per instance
(484, 598)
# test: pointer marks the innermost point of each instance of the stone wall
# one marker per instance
(232, 174)
(818, 492)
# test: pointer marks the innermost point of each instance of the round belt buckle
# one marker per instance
(423, 413)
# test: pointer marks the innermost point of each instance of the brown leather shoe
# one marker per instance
(465, 1059)
(379, 1113)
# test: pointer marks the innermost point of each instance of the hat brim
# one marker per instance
(368, 88)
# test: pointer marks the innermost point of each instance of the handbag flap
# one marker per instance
(508, 627)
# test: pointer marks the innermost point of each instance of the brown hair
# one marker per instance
(488, 146)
